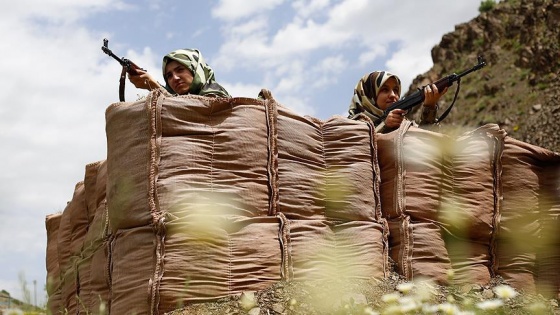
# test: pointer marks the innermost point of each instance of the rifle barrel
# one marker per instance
(108, 51)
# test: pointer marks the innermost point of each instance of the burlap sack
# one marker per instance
(328, 179)
(414, 178)
(72, 230)
(93, 265)
(530, 182)
(491, 203)
(202, 179)
(472, 212)
(52, 223)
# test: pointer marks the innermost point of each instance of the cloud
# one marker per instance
(237, 89)
(286, 53)
(56, 86)
(307, 8)
(58, 11)
(327, 71)
(231, 10)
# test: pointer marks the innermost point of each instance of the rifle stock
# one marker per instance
(417, 97)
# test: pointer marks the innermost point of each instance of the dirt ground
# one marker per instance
(368, 297)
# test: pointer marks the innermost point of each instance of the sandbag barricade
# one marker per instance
(471, 208)
(78, 241)
(201, 198)
(212, 197)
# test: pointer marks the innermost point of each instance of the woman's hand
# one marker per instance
(143, 80)
(395, 118)
(432, 95)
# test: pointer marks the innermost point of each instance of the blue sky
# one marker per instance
(57, 83)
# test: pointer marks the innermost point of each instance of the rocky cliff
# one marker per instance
(519, 89)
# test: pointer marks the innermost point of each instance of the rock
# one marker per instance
(537, 107)
(247, 300)
(487, 294)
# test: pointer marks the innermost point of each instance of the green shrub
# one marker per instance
(486, 5)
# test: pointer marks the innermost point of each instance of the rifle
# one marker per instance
(127, 66)
(417, 97)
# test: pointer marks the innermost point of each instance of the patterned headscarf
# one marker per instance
(365, 94)
(203, 82)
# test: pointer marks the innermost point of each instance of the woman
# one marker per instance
(376, 91)
(185, 72)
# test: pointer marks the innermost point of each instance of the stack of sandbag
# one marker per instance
(71, 232)
(93, 266)
(78, 249)
(54, 303)
(472, 212)
(414, 180)
(201, 198)
(213, 197)
(470, 208)
(528, 253)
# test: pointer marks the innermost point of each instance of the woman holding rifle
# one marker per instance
(376, 91)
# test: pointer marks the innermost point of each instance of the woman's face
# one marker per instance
(388, 93)
(178, 77)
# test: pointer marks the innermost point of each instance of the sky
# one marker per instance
(56, 82)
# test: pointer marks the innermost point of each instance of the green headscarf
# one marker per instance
(204, 82)
(365, 95)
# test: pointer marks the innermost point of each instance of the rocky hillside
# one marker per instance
(519, 89)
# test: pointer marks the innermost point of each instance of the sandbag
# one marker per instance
(472, 213)
(52, 223)
(530, 206)
(203, 176)
(414, 179)
(72, 230)
(93, 266)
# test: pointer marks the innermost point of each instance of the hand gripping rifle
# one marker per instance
(417, 97)
(127, 66)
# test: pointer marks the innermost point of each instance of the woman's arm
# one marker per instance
(143, 80)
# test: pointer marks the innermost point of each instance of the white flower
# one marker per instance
(424, 291)
(102, 308)
(391, 297)
(448, 308)
(505, 292)
(405, 287)
(450, 273)
(490, 304)
(370, 311)
(409, 306)
(468, 302)
(430, 309)
(392, 309)
(537, 308)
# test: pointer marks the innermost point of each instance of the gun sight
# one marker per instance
(108, 51)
